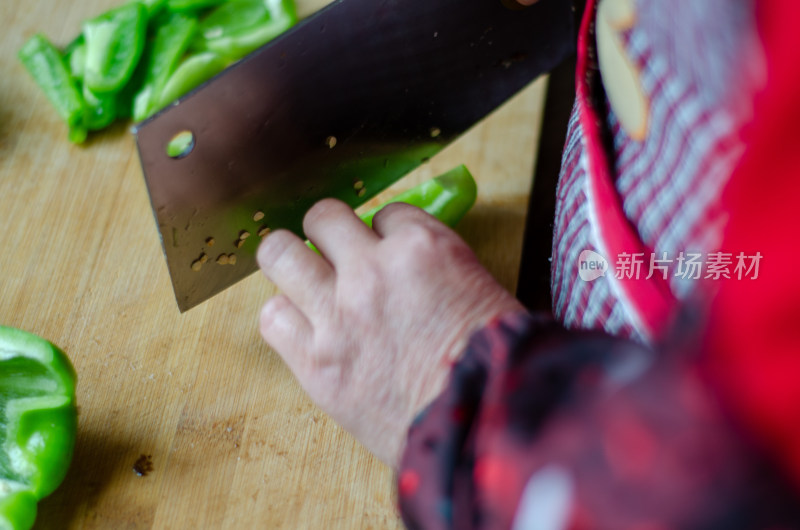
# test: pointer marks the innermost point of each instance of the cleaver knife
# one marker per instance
(342, 105)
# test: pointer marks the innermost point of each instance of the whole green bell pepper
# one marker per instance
(38, 423)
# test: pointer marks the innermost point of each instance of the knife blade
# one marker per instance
(342, 105)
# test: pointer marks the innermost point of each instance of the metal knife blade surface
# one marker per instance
(342, 105)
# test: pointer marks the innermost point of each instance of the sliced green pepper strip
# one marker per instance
(192, 5)
(239, 27)
(49, 70)
(75, 56)
(447, 197)
(101, 109)
(77, 134)
(171, 38)
(190, 74)
(233, 16)
(114, 44)
(154, 7)
(38, 423)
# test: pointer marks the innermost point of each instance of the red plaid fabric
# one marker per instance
(659, 197)
(545, 428)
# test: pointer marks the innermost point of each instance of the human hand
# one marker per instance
(371, 327)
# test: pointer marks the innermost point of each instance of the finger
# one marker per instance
(305, 276)
(287, 330)
(336, 230)
(397, 215)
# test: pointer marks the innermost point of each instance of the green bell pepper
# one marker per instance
(239, 27)
(154, 7)
(100, 109)
(38, 423)
(447, 197)
(135, 59)
(172, 35)
(192, 5)
(192, 72)
(114, 44)
(49, 70)
(75, 57)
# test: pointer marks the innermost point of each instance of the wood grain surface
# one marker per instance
(233, 440)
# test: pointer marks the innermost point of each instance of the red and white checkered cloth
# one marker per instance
(620, 197)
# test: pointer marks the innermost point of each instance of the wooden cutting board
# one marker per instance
(233, 441)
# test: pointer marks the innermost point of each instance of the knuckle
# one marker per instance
(399, 212)
(270, 311)
(323, 211)
(427, 245)
(361, 299)
(274, 249)
(395, 208)
(422, 240)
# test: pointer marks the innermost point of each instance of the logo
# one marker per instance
(684, 266)
(591, 265)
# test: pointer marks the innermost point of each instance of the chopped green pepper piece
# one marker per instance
(75, 54)
(38, 424)
(447, 197)
(132, 60)
(101, 109)
(192, 5)
(190, 74)
(46, 64)
(78, 133)
(154, 7)
(232, 17)
(239, 27)
(171, 39)
(114, 43)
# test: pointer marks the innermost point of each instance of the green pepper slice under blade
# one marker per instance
(447, 197)
(37, 426)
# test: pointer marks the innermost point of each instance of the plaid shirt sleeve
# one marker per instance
(545, 428)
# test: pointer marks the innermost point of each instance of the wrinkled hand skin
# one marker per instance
(371, 328)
